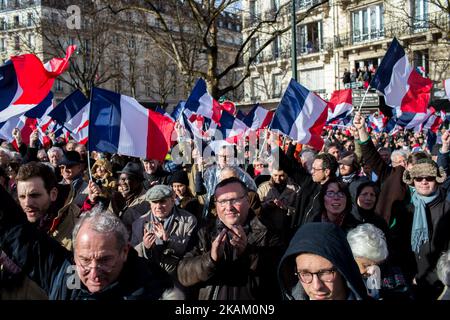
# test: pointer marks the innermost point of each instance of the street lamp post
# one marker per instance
(294, 43)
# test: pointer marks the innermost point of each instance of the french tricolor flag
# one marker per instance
(10, 91)
(408, 120)
(301, 115)
(340, 106)
(34, 82)
(73, 114)
(402, 86)
(433, 122)
(27, 122)
(202, 103)
(231, 128)
(258, 118)
(447, 88)
(119, 124)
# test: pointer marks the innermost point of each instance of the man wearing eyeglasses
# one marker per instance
(101, 267)
(234, 258)
(319, 265)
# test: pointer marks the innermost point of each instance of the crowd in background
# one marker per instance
(366, 217)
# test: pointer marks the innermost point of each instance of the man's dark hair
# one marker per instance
(225, 182)
(37, 169)
(331, 145)
(328, 162)
(414, 157)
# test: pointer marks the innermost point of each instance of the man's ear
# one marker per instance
(327, 172)
(53, 194)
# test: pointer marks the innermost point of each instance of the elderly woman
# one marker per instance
(184, 198)
(336, 204)
(370, 250)
(443, 272)
(363, 211)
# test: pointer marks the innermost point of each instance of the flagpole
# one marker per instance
(88, 152)
(364, 97)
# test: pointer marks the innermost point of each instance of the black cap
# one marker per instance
(70, 158)
(133, 168)
(180, 177)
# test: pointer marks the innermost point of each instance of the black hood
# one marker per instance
(326, 240)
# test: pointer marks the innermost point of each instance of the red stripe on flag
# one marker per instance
(418, 96)
(159, 134)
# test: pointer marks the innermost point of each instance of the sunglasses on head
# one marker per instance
(420, 179)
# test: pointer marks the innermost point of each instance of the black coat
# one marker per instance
(326, 240)
(50, 265)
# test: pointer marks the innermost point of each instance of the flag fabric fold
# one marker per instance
(119, 124)
(202, 103)
(301, 115)
(401, 85)
(340, 106)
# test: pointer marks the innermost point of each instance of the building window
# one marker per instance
(275, 5)
(421, 60)
(148, 90)
(276, 85)
(305, 4)
(29, 20)
(257, 89)
(255, 11)
(309, 37)
(17, 43)
(254, 46)
(31, 41)
(419, 15)
(131, 43)
(276, 47)
(2, 24)
(368, 23)
(16, 21)
(2, 4)
(313, 79)
(2, 44)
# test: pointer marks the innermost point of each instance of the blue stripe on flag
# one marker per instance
(104, 121)
(38, 111)
(290, 107)
(8, 84)
(199, 90)
(69, 107)
(384, 72)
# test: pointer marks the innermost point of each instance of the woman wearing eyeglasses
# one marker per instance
(335, 205)
(319, 265)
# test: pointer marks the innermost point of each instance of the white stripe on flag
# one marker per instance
(206, 105)
(398, 86)
(134, 123)
(311, 111)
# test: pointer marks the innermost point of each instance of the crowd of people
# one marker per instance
(365, 218)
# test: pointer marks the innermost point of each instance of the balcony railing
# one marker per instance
(401, 28)
(13, 5)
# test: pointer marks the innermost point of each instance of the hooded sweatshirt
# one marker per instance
(328, 241)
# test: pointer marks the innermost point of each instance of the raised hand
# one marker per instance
(239, 239)
(218, 245)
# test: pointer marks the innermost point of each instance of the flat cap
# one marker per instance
(158, 192)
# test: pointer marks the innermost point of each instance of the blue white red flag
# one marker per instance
(119, 124)
(202, 103)
(301, 115)
(402, 86)
(340, 106)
